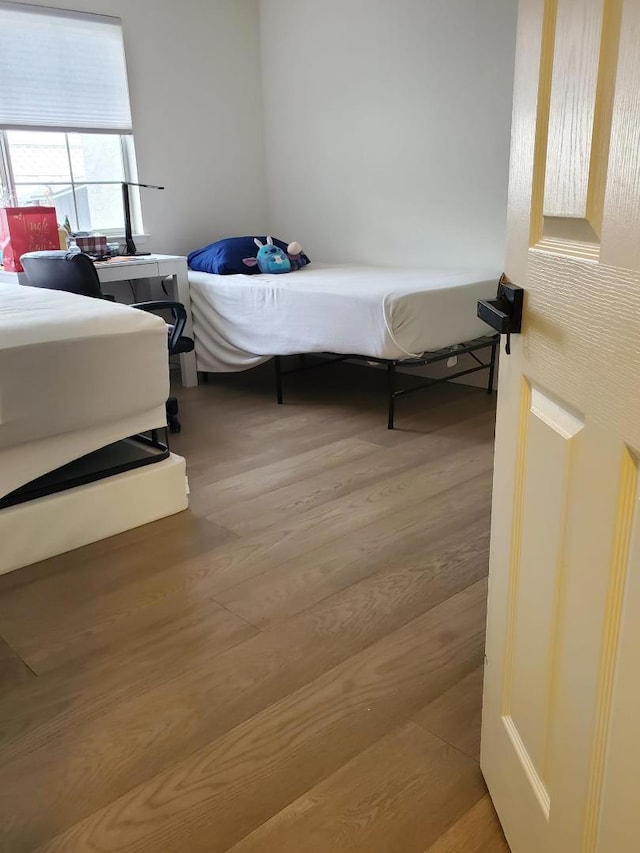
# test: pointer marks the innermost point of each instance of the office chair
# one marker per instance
(76, 273)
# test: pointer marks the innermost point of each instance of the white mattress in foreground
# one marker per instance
(242, 320)
(69, 363)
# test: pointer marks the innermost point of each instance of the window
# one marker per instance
(77, 173)
(65, 120)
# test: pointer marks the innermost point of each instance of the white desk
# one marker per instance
(158, 266)
(147, 266)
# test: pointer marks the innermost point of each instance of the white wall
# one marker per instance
(386, 123)
(387, 127)
(194, 80)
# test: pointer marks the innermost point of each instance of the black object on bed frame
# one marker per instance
(393, 392)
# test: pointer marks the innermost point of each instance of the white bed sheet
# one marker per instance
(240, 321)
(69, 363)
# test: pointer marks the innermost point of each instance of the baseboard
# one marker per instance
(58, 523)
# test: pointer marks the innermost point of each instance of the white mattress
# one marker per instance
(71, 365)
(242, 320)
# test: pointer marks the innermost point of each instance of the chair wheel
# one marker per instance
(174, 425)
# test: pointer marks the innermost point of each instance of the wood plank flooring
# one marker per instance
(294, 664)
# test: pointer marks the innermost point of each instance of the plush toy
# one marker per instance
(298, 260)
(270, 258)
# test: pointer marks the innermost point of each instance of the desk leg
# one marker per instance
(187, 360)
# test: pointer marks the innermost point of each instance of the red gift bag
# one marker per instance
(26, 229)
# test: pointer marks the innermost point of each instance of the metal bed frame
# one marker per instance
(393, 392)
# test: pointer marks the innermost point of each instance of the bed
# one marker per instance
(76, 374)
(390, 316)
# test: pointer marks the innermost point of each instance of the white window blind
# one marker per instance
(61, 70)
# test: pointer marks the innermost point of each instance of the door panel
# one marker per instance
(621, 226)
(537, 566)
(559, 746)
(616, 787)
(574, 83)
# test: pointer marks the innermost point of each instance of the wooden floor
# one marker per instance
(294, 665)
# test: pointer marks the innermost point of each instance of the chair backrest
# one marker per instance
(62, 270)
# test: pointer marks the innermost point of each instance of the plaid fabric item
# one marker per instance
(96, 245)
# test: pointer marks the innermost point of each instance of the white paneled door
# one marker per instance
(561, 724)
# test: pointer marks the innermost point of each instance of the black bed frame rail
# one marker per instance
(393, 392)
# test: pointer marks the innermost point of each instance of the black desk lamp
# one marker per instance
(128, 236)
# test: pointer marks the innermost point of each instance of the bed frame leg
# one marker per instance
(391, 382)
(278, 370)
(492, 368)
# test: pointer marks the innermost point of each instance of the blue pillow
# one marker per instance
(225, 256)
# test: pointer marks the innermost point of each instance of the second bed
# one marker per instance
(392, 316)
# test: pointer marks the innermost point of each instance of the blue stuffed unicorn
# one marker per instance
(270, 258)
